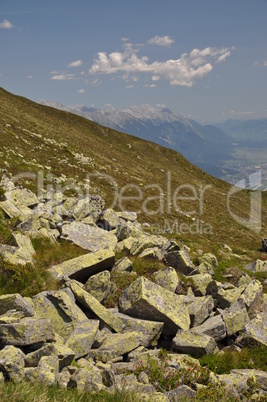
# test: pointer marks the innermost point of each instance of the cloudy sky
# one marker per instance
(204, 59)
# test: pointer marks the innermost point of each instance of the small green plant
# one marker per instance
(165, 376)
(251, 358)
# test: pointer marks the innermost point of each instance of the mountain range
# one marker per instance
(217, 149)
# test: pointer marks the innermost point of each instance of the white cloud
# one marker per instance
(240, 113)
(150, 85)
(29, 77)
(81, 91)
(64, 76)
(124, 39)
(6, 25)
(265, 63)
(183, 71)
(76, 63)
(129, 86)
(161, 41)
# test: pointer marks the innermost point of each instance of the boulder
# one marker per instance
(151, 329)
(167, 278)
(213, 326)
(201, 283)
(125, 245)
(84, 266)
(27, 332)
(199, 308)
(82, 337)
(47, 370)
(109, 220)
(98, 285)
(183, 392)
(12, 363)
(118, 345)
(88, 205)
(22, 197)
(146, 241)
(180, 260)
(93, 305)
(147, 300)
(252, 297)
(194, 344)
(127, 216)
(17, 304)
(228, 294)
(91, 238)
(235, 317)
(257, 266)
(22, 250)
(32, 359)
(255, 331)
(123, 265)
(13, 211)
(86, 380)
(153, 253)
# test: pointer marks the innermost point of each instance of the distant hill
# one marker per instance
(38, 142)
(205, 146)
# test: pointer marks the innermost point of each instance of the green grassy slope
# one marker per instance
(36, 138)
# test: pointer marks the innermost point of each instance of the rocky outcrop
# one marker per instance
(69, 337)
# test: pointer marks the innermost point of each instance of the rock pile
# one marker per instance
(42, 337)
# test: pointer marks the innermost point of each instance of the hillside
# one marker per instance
(36, 138)
(205, 146)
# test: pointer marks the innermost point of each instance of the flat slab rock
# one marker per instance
(194, 344)
(27, 332)
(91, 238)
(147, 300)
(84, 266)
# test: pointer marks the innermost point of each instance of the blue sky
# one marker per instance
(204, 59)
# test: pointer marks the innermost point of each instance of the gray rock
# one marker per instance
(123, 265)
(213, 326)
(180, 260)
(93, 305)
(255, 331)
(201, 283)
(16, 303)
(147, 300)
(91, 238)
(84, 266)
(98, 285)
(193, 344)
(12, 363)
(235, 317)
(127, 216)
(27, 332)
(181, 393)
(257, 266)
(109, 220)
(167, 278)
(252, 297)
(199, 308)
(32, 359)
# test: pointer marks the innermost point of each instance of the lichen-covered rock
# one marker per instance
(154, 253)
(209, 259)
(89, 205)
(256, 331)
(147, 241)
(228, 295)
(127, 215)
(63, 352)
(109, 220)
(32, 359)
(98, 285)
(82, 337)
(22, 197)
(180, 260)
(48, 369)
(167, 278)
(61, 309)
(27, 332)
(199, 308)
(15, 303)
(87, 380)
(180, 393)
(213, 326)
(93, 305)
(12, 363)
(257, 266)
(201, 283)
(123, 265)
(84, 266)
(125, 245)
(193, 344)
(119, 344)
(252, 297)
(147, 300)
(235, 317)
(91, 238)
(151, 329)
(22, 250)
(237, 380)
